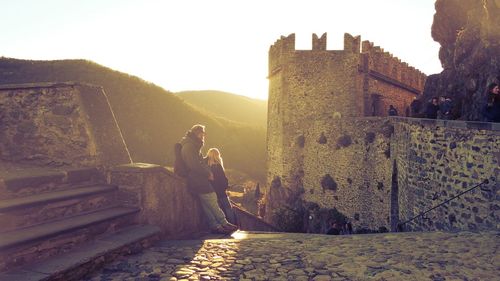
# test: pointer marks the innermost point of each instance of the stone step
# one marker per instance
(39, 232)
(35, 181)
(31, 210)
(41, 241)
(83, 260)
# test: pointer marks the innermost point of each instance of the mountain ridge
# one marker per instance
(151, 118)
(228, 105)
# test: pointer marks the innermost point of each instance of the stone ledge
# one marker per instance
(16, 180)
(489, 126)
(40, 232)
(81, 174)
(49, 197)
(146, 168)
(138, 168)
(45, 85)
(14, 183)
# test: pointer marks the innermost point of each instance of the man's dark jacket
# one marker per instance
(431, 111)
(197, 179)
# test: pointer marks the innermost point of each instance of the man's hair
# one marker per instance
(197, 129)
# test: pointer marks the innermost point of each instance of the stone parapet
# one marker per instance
(162, 197)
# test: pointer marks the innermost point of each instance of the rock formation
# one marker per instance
(469, 34)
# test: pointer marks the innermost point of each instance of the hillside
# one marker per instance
(151, 118)
(230, 106)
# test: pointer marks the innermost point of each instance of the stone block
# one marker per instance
(82, 174)
(124, 178)
(16, 183)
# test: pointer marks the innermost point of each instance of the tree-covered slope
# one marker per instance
(151, 118)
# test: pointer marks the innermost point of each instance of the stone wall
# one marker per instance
(58, 124)
(162, 197)
(165, 202)
(305, 86)
(343, 164)
(439, 159)
(384, 171)
(346, 165)
(315, 98)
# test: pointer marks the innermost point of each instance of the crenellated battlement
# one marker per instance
(284, 43)
(352, 43)
(280, 51)
(372, 58)
(388, 65)
(319, 43)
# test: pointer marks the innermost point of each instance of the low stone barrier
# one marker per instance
(162, 197)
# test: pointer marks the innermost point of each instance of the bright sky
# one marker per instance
(208, 44)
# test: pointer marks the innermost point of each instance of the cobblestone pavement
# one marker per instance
(271, 256)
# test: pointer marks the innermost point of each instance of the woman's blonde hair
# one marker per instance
(214, 157)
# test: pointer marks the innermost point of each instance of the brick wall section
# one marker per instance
(59, 124)
(437, 160)
(394, 81)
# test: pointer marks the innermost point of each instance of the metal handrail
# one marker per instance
(400, 225)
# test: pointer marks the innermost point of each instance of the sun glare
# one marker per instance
(216, 45)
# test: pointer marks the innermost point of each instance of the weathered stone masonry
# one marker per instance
(346, 164)
(438, 159)
(315, 97)
(59, 124)
(431, 160)
(378, 171)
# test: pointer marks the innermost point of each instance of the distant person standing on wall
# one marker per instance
(445, 105)
(334, 229)
(432, 109)
(198, 180)
(492, 110)
(220, 183)
(392, 111)
(415, 107)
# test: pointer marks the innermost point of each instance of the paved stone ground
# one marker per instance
(269, 256)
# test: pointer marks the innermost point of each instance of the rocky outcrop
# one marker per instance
(469, 34)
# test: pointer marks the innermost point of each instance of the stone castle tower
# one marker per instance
(320, 138)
